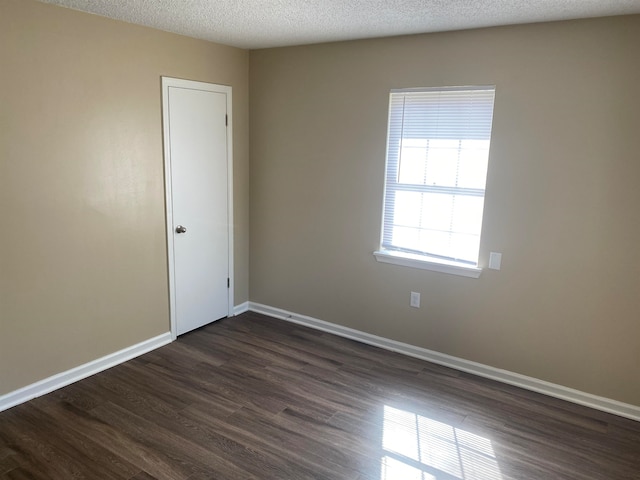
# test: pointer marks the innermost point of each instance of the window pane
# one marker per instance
(474, 157)
(407, 209)
(415, 142)
(438, 224)
(434, 242)
(437, 211)
(412, 165)
(445, 144)
(406, 238)
(467, 214)
(465, 247)
(442, 163)
(475, 144)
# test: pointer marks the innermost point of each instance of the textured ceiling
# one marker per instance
(271, 23)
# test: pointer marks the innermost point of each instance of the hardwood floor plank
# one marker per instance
(46, 455)
(8, 463)
(96, 459)
(294, 445)
(117, 441)
(257, 456)
(184, 454)
(255, 398)
(143, 476)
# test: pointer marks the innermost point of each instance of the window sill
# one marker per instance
(427, 263)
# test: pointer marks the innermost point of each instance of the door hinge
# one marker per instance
(226, 120)
(228, 283)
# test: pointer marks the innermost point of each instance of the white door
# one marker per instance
(197, 171)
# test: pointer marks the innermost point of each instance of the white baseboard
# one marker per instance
(529, 383)
(243, 307)
(83, 371)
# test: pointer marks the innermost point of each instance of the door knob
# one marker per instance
(181, 229)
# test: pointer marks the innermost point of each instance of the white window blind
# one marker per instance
(437, 158)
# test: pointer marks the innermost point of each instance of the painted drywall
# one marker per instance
(561, 202)
(83, 253)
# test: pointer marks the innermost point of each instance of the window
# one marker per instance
(437, 157)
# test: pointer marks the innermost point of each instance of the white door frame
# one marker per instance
(168, 82)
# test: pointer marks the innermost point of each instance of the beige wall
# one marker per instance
(83, 255)
(562, 197)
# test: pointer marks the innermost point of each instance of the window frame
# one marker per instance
(423, 260)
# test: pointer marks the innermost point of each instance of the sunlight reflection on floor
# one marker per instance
(416, 447)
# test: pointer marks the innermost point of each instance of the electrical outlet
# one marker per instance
(415, 300)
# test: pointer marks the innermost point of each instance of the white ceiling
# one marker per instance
(272, 23)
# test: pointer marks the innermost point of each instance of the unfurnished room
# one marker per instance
(295, 240)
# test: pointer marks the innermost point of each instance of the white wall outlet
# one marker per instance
(495, 260)
(415, 300)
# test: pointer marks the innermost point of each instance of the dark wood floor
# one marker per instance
(258, 398)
